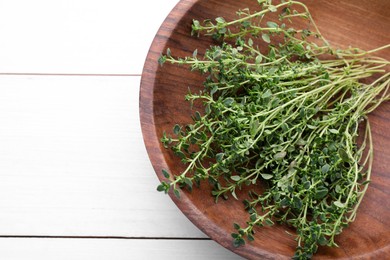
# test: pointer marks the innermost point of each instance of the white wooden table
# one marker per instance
(75, 179)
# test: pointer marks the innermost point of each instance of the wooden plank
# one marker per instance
(78, 36)
(113, 249)
(73, 161)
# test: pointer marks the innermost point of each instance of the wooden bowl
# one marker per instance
(361, 23)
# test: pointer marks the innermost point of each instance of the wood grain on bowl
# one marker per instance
(359, 23)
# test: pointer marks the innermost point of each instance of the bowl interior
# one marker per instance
(358, 23)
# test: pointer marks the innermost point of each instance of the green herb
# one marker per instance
(287, 115)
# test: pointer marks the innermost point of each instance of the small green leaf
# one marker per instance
(222, 30)
(321, 192)
(302, 112)
(235, 235)
(250, 42)
(198, 116)
(235, 177)
(234, 194)
(284, 127)
(266, 176)
(228, 101)
(176, 129)
(269, 222)
(266, 38)
(238, 242)
(188, 182)
(250, 237)
(253, 217)
(272, 25)
(254, 126)
(285, 202)
(271, 53)
(267, 94)
(161, 187)
(168, 52)
(272, 8)
(334, 131)
(165, 173)
(300, 142)
(219, 157)
(201, 171)
(213, 90)
(343, 155)
(299, 48)
(180, 154)
(196, 23)
(162, 59)
(177, 193)
(220, 20)
(280, 155)
(325, 168)
(259, 58)
(322, 240)
(215, 193)
(244, 24)
(195, 53)
(339, 204)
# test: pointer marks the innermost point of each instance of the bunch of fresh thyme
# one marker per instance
(287, 115)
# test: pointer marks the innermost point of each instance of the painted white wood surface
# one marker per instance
(78, 36)
(113, 249)
(73, 161)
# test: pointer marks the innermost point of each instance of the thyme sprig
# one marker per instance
(287, 115)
